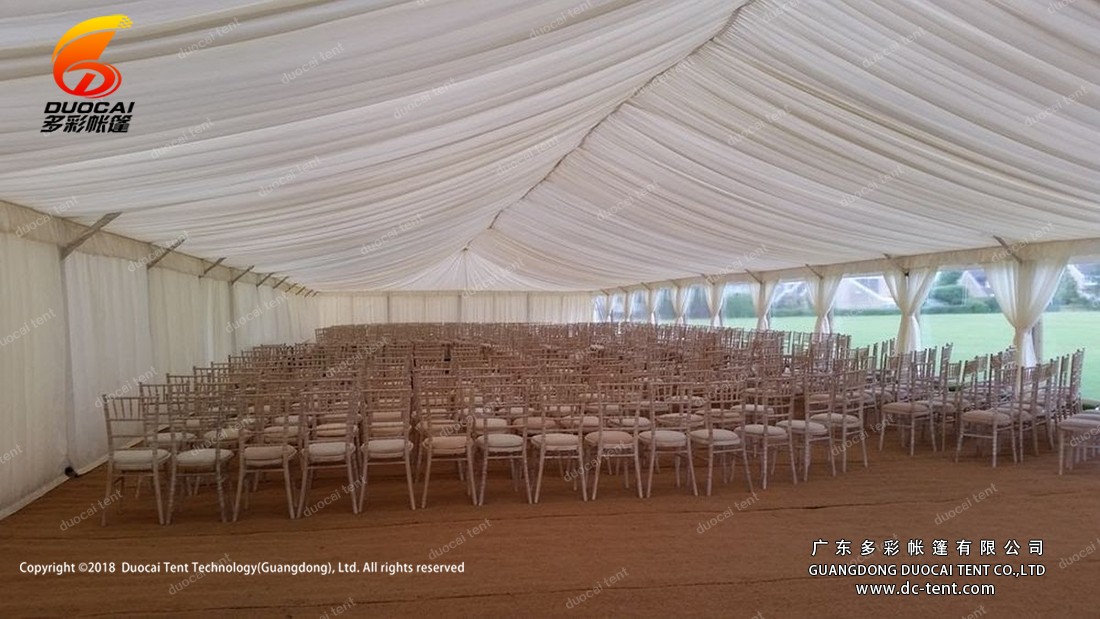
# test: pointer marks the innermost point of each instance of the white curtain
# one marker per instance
(309, 316)
(822, 295)
(509, 307)
(218, 343)
(628, 305)
(369, 309)
(334, 309)
(909, 292)
(651, 305)
(679, 302)
(442, 307)
(477, 308)
(762, 297)
(248, 321)
(607, 299)
(33, 362)
(1023, 290)
(177, 317)
(406, 308)
(574, 308)
(110, 345)
(715, 300)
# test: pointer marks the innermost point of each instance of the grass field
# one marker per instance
(972, 334)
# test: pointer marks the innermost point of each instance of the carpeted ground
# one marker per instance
(732, 555)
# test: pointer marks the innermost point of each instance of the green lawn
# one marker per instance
(972, 334)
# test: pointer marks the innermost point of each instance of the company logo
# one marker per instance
(78, 52)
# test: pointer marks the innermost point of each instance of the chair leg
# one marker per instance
(596, 473)
(363, 480)
(526, 474)
(173, 471)
(156, 494)
(240, 490)
(107, 493)
(638, 469)
(583, 475)
(538, 480)
(484, 474)
(710, 467)
(289, 486)
(221, 490)
(470, 473)
(307, 483)
(352, 483)
(427, 479)
(408, 478)
(690, 462)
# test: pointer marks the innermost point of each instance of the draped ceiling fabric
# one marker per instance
(566, 145)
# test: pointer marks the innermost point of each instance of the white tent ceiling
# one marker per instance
(568, 144)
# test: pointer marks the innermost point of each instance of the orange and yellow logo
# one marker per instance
(79, 50)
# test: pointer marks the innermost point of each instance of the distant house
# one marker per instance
(976, 284)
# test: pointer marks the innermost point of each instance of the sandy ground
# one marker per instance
(617, 556)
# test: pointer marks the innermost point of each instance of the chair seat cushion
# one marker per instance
(987, 417)
(747, 408)
(268, 453)
(584, 422)
(539, 424)
(139, 459)
(759, 429)
(202, 458)
(555, 440)
(387, 447)
(906, 408)
(609, 437)
(664, 438)
(716, 436)
(223, 435)
(818, 398)
(801, 426)
(836, 419)
(680, 419)
(490, 424)
(1079, 423)
(178, 437)
(379, 416)
(328, 450)
(501, 442)
(281, 430)
(446, 444)
(641, 423)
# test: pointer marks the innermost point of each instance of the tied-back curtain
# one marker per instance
(110, 345)
(680, 297)
(1023, 290)
(628, 305)
(909, 292)
(762, 296)
(651, 305)
(33, 365)
(606, 317)
(822, 295)
(715, 299)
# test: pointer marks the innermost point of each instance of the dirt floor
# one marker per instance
(618, 556)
